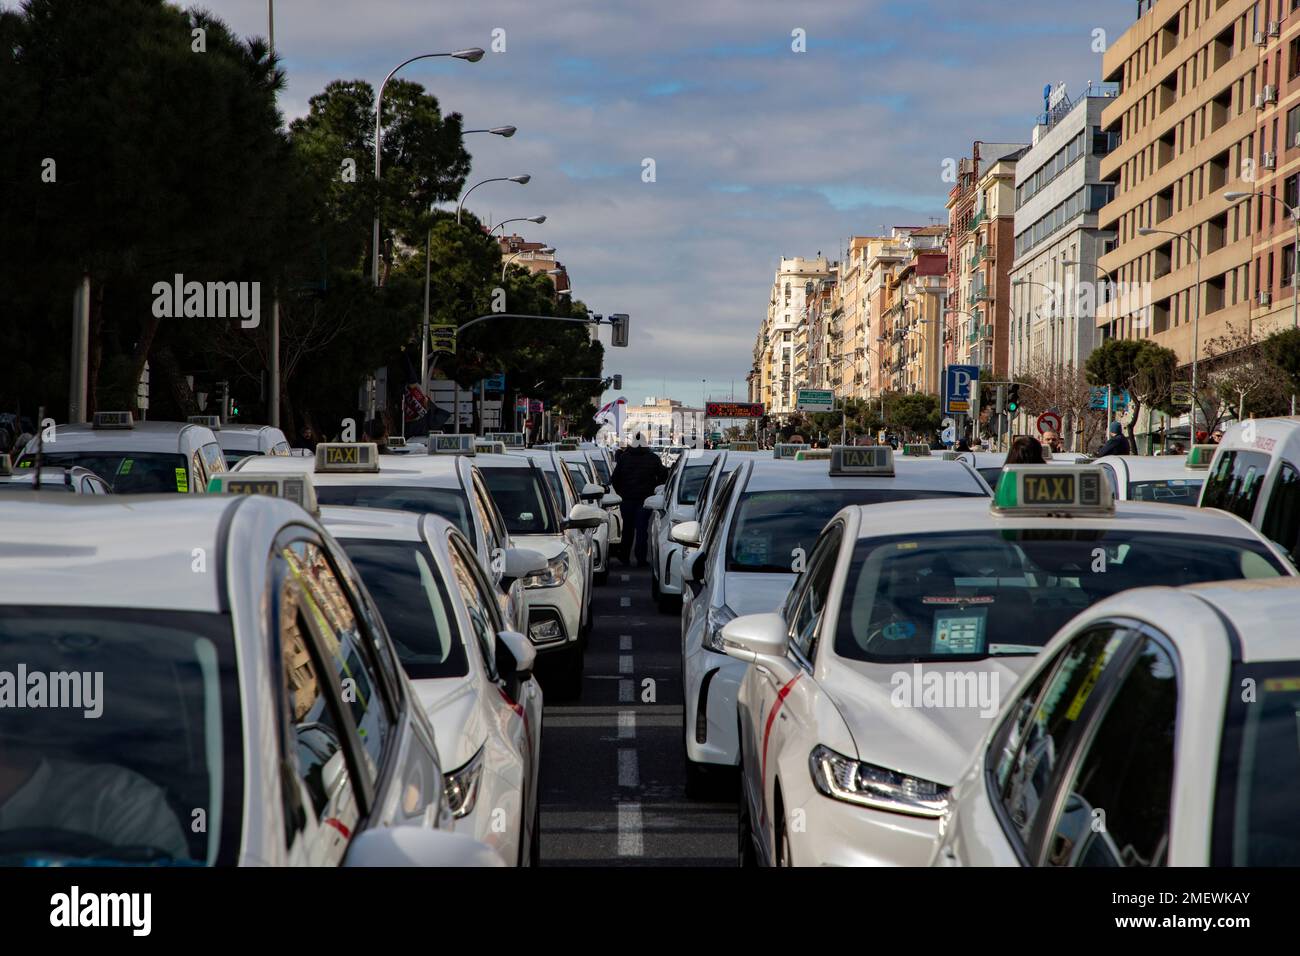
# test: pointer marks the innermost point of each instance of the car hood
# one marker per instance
(451, 705)
(896, 725)
(747, 593)
(547, 545)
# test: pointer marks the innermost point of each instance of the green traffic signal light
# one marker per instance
(1013, 399)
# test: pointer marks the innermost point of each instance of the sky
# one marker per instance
(759, 151)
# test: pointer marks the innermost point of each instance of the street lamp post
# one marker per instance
(544, 251)
(538, 220)
(522, 179)
(471, 55)
(1196, 315)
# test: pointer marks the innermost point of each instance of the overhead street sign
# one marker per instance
(815, 400)
(733, 409)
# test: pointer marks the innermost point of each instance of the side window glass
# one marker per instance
(323, 785)
(1026, 775)
(482, 618)
(1282, 521)
(328, 610)
(717, 514)
(812, 600)
(1117, 809)
(213, 459)
(490, 540)
(196, 484)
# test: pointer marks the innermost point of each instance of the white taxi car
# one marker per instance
(471, 673)
(557, 599)
(869, 691)
(610, 501)
(75, 480)
(591, 490)
(1255, 474)
(445, 484)
(1157, 729)
(249, 708)
(133, 457)
(669, 508)
(763, 525)
(239, 440)
(1168, 479)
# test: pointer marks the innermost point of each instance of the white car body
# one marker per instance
(239, 441)
(1162, 478)
(487, 728)
(678, 503)
(812, 705)
(711, 679)
(583, 475)
(1185, 755)
(303, 778)
(1255, 474)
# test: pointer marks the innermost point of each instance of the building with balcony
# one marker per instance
(782, 341)
(1055, 283)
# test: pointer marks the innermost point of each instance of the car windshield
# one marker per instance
(1259, 768)
(521, 499)
(770, 526)
(119, 727)
(411, 597)
(56, 482)
(1175, 491)
(692, 482)
(128, 473)
(1007, 591)
(446, 503)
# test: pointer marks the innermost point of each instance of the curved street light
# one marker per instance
(471, 55)
(534, 219)
(506, 131)
(522, 179)
(544, 251)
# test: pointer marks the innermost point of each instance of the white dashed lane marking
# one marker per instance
(625, 642)
(630, 842)
(625, 602)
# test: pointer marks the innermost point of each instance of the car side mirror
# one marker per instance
(654, 502)
(611, 500)
(519, 563)
(592, 491)
(687, 533)
(522, 653)
(584, 517)
(755, 635)
(416, 846)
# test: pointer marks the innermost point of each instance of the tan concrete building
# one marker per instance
(773, 379)
(1190, 74)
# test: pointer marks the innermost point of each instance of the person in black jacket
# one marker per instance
(637, 473)
(1117, 444)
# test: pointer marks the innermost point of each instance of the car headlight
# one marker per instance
(714, 622)
(557, 569)
(852, 781)
(461, 786)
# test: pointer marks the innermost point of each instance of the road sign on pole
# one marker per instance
(815, 400)
(1049, 422)
(959, 381)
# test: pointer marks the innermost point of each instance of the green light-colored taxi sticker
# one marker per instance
(182, 480)
(125, 467)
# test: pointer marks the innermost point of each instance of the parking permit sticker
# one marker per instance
(182, 480)
(753, 549)
(959, 633)
(125, 467)
(898, 631)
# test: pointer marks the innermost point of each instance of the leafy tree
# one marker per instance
(1282, 349)
(916, 413)
(1146, 370)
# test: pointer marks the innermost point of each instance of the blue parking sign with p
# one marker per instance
(958, 382)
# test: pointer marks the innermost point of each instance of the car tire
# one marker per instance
(697, 781)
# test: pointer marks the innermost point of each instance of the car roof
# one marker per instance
(143, 437)
(1254, 609)
(917, 474)
(508, 460)
(136, 551)
(372, 523)
(1154, 467)
(940, 515)
(1273, 436)
(427, 471)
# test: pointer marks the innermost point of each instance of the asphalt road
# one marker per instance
(613, 786)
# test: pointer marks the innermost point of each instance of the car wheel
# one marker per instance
(566, 673)
(697, 780)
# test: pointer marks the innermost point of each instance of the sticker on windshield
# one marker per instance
(752, 548)
(959, 633)
(959, 599)
(906, 546)
(125, 467)
(182, 480)
(899, 631)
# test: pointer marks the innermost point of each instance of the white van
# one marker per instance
(1255, 474)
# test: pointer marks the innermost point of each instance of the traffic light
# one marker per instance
(619, 330)
(234, 407)
(618, 382)
(1013, 399)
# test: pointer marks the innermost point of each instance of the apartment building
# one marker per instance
(1199, 113)
(774, 381)
(913, 322)
(1055, 283)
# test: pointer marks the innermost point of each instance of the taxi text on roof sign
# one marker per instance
(916, 450)
(1053, 490)
(787, 450)
(864, 460)
(114, 420)
(1200, 456)
(451, 445)
(212, 422)
(813, 454)
(744, 446)
(295, 488)
(347, 456)
(509, 439)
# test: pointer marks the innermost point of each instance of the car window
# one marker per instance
(1116, 811)
(328, 609)
(522, 499)
(1027, 774)
(482, 609)
(1282, 519)
(813, 589)
(715, 519)
(127, 472)
(449, 503)
(491, 541)
(313, 736)
(213, 459)
(1166, 491)
(197, 480)
(690, 481)
(1235, 481)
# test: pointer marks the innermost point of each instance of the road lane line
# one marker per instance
(625, 691)
(625, 663)
(627, 725)
(629, 774)
(630, 842)
(625, 642)
(625, 602)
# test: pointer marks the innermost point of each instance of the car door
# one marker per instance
(788, 691)
(695, 594)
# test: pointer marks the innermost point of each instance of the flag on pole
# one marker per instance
(612, 415)
(414, 403)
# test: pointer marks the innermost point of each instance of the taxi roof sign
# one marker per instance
(862, 460)
(509, 439)
(916, 450)
(114, 420)
(788, 449)
(212, 422)
(490, 447)
(1058, 490)
(296, 488)
(1200, 455)
(395, 441)
(451, 445)
(342, 456)
(813, 454)
(743, 446)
